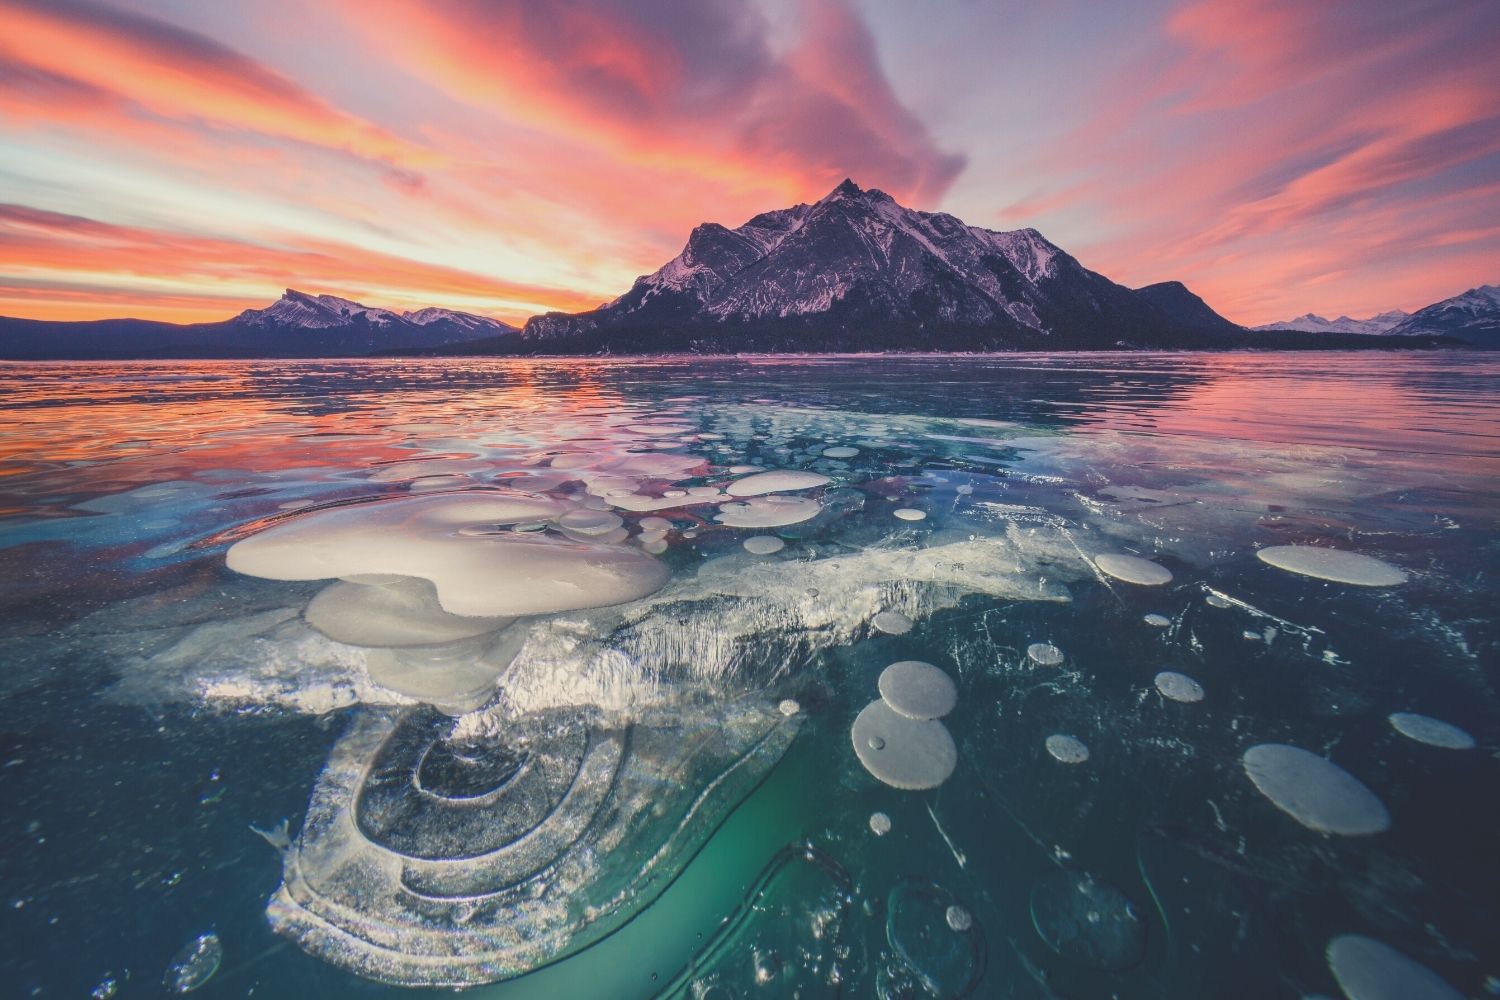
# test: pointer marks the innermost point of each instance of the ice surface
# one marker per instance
(904, 753)
(918, 690)
(936, 940)
(1315, 792)
(1367, 969)
(1332, 564)
(1088, 921)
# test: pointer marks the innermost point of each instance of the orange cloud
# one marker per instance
(92, 51)
(56, 253)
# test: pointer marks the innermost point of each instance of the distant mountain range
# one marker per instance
(297, 325)
(854, 271)
(1312, 323)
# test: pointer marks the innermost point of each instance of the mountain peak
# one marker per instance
(847, 189)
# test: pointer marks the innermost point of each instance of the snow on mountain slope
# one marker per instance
(1473, 316)
(1311, 323)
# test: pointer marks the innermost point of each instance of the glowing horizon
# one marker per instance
(171, 160)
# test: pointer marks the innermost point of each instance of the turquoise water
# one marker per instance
(611, 801)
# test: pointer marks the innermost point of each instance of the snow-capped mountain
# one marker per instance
(1310, 323)
(322, 312)
(297, 325)
(1473, 316)
(856, 269)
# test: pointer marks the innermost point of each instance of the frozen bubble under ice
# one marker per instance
(194, 964)
(1133, 569)
(880, 824)
(1315, 792)
(1088, 921)
(1367, 969)
(481, 575)
(917, 690)
(891, 623)
(1044, 654)
(778, 481)
(590, 523)
(788, 707)
(1433, 732)
(1178, 687)
(1067, 749)
(840, 452)
(910, 514)
(403, 613)
(768, 512)
(1336, 565)
(1215, 601)
(763, 545)
(958, 918)
(904, 753)
(1157, 621)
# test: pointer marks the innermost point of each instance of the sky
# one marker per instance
(180, 160)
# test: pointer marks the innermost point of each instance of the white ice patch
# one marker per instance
(1332, 564)
(1315, 792)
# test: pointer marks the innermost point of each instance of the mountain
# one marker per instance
(857, 271)
(297, 325)
(1174, 299)
(1473, 317)
(1383, 323)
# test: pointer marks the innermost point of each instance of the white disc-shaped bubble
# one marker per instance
(1133, 569)
(904, 753)
(1215, 601)
(763, 545)
(918, 690)
(891, 623)
(768, 512)
(1332, 564)
(1157, 621)
(909, 514)
(1044, 654)
(1315, 792)
(788, 707)
(779, 481)
(1068, 749)
(405, 613)
(1433, 732)
(194, 964)
(1178, 687)
(590, 523)
(1367, 969)
(958, 918)
(840, 451)
(484, 575)
(880, 824)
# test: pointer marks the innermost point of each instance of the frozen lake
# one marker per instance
(552, 670)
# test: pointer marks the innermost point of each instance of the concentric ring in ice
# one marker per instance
(427, 859)
(1433, 732)
(1367, 969)
(482, 575)
(904, 753)
(1332, 564)
(1178, 687)
(402, 613)
(918, 690)
(1315, 792)
(1133, 569)
(778, 481)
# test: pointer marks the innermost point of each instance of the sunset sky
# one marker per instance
(183, 160)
